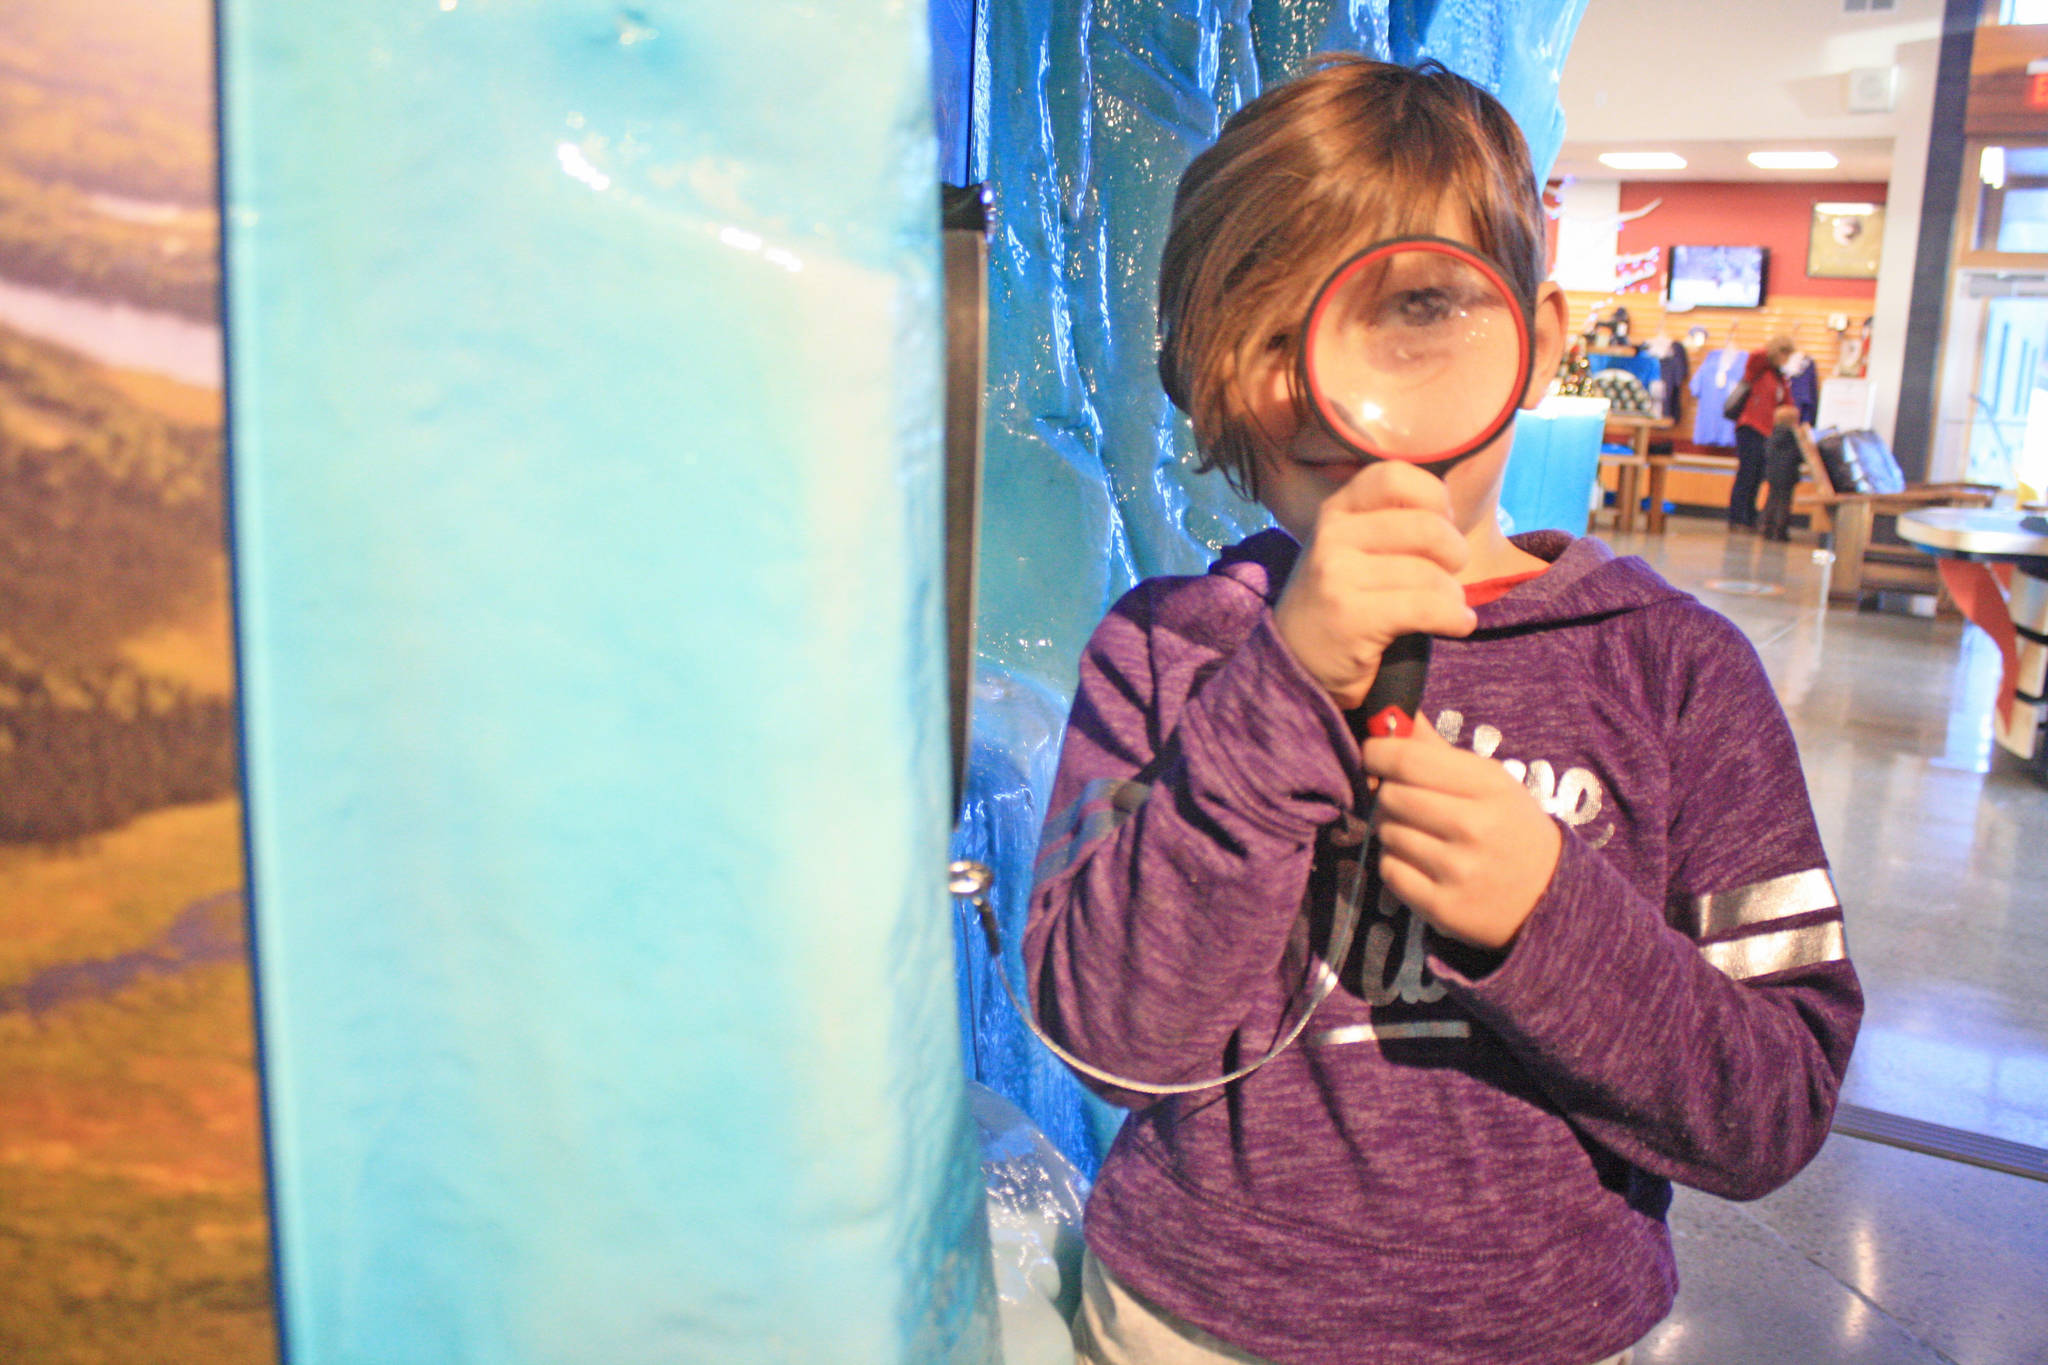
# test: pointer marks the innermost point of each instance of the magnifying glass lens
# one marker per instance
(1416, 352)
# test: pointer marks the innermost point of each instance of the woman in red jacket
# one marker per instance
(1767, 391)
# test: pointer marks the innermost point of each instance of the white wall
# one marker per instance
(1587, 233)
(1643, 70)
(1917, 68)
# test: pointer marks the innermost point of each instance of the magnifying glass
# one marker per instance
(1415, 349)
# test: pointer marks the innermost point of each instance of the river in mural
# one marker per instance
(115, 334)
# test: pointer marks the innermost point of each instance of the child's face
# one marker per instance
(1300, 464)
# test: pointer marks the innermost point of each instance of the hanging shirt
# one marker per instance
(1803, 377)
(1676, 368)
(1718, 373)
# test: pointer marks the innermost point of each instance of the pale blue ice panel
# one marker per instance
(1548, 482)
(584, 405)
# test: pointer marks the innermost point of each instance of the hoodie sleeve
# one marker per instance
(1703, 1040)
(1184, 818)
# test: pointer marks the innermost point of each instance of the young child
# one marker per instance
(1600, 951)
(1782, 460)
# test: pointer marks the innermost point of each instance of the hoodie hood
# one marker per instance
(1586, 579)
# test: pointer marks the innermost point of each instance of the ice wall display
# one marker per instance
(584, 434)
(1084, 116)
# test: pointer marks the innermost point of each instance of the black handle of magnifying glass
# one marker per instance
(1404, 667)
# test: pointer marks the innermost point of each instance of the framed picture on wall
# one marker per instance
(1845, 241)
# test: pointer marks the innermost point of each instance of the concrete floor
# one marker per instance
(1939, 844)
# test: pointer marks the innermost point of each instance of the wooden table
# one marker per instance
(1630, 470)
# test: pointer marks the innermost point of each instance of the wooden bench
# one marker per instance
(1697, 478)
(1626, 485)
(1867, 560)
(1647, 478)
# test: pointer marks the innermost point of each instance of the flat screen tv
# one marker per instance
(1717, 277)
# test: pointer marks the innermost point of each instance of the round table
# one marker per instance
(1994, 562)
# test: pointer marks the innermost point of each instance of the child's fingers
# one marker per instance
(1401, 805)
(1414, 885)
(1426, 852)
(1358, 603)
(1430, 613)
(1394, 531)
(1427, 761)
(1370, 569)
(1381, 612)
(1391, 483)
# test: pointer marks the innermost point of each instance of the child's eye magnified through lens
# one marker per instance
(1415, 349)
(1422, 307)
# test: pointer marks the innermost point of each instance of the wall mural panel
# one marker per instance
(132, 1215)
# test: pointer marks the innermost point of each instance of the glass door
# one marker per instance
(2008, 440)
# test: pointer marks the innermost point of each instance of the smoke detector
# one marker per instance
(1873, 89)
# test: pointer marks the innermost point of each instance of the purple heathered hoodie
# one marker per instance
(1465, 1160)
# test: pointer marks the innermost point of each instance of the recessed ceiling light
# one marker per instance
(1850, 210)
(1643, 161)
(1794, 161)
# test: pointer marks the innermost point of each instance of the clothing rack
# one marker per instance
(1803, 318)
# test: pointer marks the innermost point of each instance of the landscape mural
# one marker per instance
(132, 1212)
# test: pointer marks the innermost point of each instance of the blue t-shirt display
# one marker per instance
(1718, 373)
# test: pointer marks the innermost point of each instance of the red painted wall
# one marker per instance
(1778, 216)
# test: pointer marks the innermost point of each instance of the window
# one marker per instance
(2012, 201)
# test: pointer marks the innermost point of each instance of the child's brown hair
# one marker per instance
(1301, 177)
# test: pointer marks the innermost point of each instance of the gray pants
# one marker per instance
(1116, 1327)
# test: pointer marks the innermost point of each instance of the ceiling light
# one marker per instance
(1846, 210)
(1794, 161)
(1643, 161)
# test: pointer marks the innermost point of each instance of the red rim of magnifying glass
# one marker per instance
(1331, 423)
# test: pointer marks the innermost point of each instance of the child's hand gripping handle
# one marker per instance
(1389, 708)
(1390, 705)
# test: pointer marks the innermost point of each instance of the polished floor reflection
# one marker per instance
(1873, 1256)
(1940, 848)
